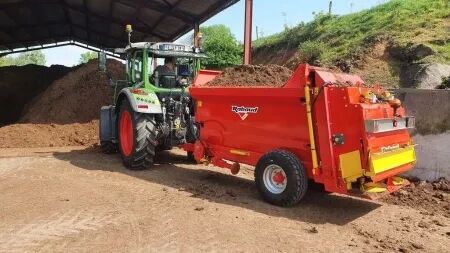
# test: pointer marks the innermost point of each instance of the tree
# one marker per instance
(221, 47)
(5, 61)
(86, 57)
(31, 57)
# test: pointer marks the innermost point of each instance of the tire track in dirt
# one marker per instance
(55, 227)
(35, 236)
(7, 167)
(163, 208)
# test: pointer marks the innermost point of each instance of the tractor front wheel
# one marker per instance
(137, 137)
(280, 178)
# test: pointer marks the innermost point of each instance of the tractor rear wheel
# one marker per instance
(137, 137)
(280, 178)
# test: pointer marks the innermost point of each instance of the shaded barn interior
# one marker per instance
(25, 24)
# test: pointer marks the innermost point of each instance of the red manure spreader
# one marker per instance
(323, 127)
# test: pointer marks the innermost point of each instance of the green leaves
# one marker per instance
(31, 57)
(312, 52)
(221, 47)
(86, 57)
(331, 39)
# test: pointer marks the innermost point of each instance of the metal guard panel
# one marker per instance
(381, 162)
(350, 165)
(386, 125)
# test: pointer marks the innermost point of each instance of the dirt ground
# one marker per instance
(77, 199)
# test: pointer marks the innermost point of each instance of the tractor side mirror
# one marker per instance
(102, 61)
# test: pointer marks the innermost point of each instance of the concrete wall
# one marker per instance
(432, 111)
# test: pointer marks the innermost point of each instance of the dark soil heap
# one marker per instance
(433, 198)
(75, 98)
(67, 112)
(252, 75)
(20, 84)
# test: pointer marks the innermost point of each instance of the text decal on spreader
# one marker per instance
(244, 111)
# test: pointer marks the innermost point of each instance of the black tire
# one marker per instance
(144, 139)
(109, 147)
(296, 183)
(190, 157)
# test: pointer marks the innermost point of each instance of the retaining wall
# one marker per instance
(432, 135)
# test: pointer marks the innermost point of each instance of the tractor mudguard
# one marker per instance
(108, 131)
(141, 100)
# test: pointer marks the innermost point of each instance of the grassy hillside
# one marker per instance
(398, 32)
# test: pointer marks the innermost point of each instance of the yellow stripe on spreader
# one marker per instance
(381, 162)
(239, 152)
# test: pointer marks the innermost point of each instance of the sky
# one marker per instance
(270, 16)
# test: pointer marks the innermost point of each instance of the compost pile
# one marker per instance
(252, 75)
(20, 84)
(432, 198)
(75, 98)
(67, 112)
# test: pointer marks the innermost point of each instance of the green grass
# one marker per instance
(402, 23)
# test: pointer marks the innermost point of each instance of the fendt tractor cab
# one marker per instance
(152, 109)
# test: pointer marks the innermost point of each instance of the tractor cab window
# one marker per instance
(170, 72)
(137, 67)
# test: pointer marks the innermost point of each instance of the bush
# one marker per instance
(311, 52)
(445, 83)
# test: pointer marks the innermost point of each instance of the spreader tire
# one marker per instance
(137, 138)
(108, 147)
(280, 178)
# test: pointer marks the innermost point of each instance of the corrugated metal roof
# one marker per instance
(100, 23)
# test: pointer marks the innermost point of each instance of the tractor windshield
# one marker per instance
(171, 72)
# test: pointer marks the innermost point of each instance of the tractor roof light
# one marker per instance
(129, 28)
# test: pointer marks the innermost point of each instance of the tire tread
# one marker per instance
(300, 177)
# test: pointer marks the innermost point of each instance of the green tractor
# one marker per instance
(152, 109)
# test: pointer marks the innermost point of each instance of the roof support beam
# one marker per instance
(67, 16)
(17, 27)
(165, 14)
(86, 19)
(248, 32)
(108, 19)
(21, 4)
(186, 17)
(26, 43)
(103, 34)
(44, 25)
(40, 47)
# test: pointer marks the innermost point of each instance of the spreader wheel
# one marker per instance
(137, 138)
(281, 178)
